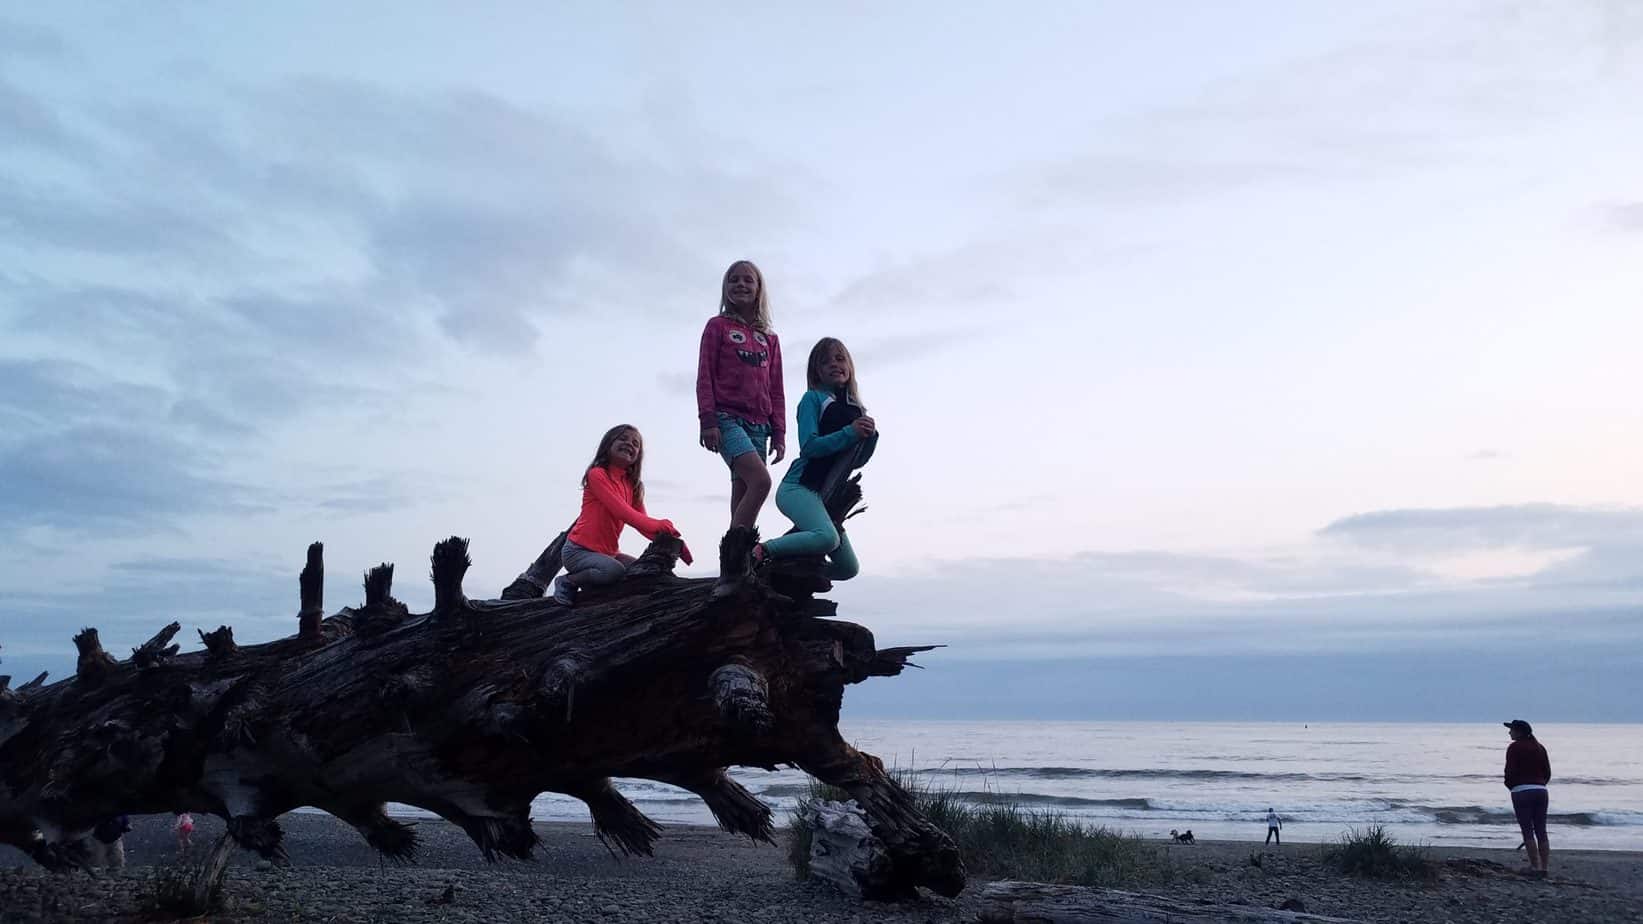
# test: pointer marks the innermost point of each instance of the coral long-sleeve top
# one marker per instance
(607, 506)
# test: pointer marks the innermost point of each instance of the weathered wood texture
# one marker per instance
(1042, 903)
(469, 711)
(845, 852)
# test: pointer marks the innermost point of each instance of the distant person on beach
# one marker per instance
(613, 496)
(108, 842)
(1528, 770)
(184, 829)
(739, 399)
(1274, 824)
(835, 437)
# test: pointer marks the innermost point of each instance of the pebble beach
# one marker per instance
(703, 874)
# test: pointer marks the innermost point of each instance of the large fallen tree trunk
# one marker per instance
(468, 711)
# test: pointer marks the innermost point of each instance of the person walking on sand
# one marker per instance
(1528, 770)
(184, 829)
(1274, 824)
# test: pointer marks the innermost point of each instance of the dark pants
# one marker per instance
(1530, 808)
(1272, 833)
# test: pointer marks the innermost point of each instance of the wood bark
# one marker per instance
(469, 711)
(845, 852)
(1044, 903)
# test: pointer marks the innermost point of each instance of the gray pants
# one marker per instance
(586, 568)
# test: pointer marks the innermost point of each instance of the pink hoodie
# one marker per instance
(739, 373)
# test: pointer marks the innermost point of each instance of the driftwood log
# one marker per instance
(1043, 903)
(468, 711)
(845, 852)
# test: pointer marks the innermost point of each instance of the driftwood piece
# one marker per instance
(534, 581)
(469, 711)
(1044, 903)
(845, 853)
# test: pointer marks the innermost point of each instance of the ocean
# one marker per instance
(1435, 784)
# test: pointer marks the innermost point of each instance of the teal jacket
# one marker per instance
(818, 448)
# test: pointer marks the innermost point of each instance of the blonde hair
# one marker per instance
(818, 355)
(761, 311)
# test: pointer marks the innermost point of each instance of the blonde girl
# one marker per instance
(835, 437)
(739, 400)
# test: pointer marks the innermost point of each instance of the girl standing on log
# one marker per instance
(739, 398)
(613, 496)
(835, 437)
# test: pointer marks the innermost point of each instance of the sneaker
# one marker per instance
(563, 593)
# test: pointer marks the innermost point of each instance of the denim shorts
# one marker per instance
(738, 437)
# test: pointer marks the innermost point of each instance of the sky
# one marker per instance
(1258, 360)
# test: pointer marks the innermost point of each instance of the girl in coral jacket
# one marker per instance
(835, 437)
(739, 399)
(613, 496)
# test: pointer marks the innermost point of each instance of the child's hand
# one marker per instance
(710, 439)
(864, 427)
(778, 452)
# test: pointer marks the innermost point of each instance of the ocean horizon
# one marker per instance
(1437, 784)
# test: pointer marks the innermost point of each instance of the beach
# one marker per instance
(702, 874)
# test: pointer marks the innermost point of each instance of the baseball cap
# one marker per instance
(1519, 725)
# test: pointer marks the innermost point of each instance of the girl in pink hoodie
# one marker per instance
(739, 400)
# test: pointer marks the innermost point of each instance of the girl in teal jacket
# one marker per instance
(834, 431)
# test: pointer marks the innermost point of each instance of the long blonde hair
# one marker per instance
(761, 312)
(601, 459)
(819, 355)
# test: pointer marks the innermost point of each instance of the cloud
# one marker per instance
(1487, 455)
(1534, 526)
(102, 478)
(27, 40)
(1623, 216)
(678, 383)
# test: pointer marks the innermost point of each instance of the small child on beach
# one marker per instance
(613, 496)
(835, 437)
(739, 398)
(184, 829)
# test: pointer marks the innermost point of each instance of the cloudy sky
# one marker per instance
(1236, 360)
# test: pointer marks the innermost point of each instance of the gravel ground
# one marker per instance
(698, 874)
(702, 874)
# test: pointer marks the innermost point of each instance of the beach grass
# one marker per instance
(1001, 839)
(1374, 854)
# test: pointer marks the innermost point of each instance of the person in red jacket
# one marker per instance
(1528, 770)
(613, 496)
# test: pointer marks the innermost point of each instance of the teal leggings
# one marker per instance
(816, 535)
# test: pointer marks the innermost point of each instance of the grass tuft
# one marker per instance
(1374, 854)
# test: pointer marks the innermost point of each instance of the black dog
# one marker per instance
(1184, 837)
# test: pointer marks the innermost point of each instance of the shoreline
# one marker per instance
(701, 873)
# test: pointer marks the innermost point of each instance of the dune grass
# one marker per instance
(1004, 840)
(1373, 854)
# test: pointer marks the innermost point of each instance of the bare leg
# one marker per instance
(1545, 846)
(738, 490)
(752, 484)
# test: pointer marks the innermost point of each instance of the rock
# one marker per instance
(1292, 904)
